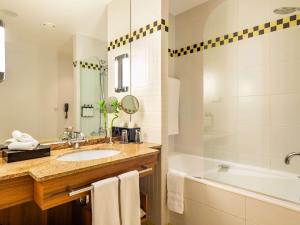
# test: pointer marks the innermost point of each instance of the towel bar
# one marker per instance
(89, 188)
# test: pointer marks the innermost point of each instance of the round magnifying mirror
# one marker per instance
(109, 101)
(130, 104)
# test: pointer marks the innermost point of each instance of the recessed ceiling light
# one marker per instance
(49, 25)
(8, 12)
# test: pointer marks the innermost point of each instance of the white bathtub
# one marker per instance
(268, 185)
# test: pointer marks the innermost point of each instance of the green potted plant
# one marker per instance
(112, 106)
(116, 110)
(103, 109)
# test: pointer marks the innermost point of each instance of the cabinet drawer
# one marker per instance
(56, 191)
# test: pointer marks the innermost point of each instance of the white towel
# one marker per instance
(21, 141)
(23, 145)
(105, 202)
(9, 141)
(130, 198)
(22, 137)
(175, 186)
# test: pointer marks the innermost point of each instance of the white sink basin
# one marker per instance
(88, 155)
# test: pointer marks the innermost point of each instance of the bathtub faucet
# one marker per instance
(288, 158)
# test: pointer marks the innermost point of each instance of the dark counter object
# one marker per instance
(17, 155)
(2, 147)
(117, 132)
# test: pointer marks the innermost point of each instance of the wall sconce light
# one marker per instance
(2, 52)
(122, 73)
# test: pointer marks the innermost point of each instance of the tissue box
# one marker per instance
(17, 155)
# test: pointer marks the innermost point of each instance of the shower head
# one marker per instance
(286, 10)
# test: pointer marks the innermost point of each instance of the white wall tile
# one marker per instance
(253, 52)
(254, 110)
(253, 80)
(199, 214)
(262, 213)
(227, 202)
(284, 140)
(284, 45)
(252, 139)
(284, 77)
(285, 109)
(146, 85)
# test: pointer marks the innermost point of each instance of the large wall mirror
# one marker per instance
(57, 65)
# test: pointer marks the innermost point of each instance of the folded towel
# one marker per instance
(22, 137)
(21, 141)
(175, 186)
(9, 141)
(105, 202)
(130, 198)
(23, 145)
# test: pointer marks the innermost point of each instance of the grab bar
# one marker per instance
(89, 188)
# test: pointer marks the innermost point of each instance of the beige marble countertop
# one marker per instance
(47, 168)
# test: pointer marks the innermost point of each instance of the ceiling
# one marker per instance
(69, 16)
(180, 6)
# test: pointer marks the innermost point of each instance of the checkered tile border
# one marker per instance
(87, 65)
(280, 24)
(138, 34)
(171, 52)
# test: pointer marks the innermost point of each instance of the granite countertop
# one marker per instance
(47, 168)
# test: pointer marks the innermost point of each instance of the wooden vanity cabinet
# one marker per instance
(55, 192)
(16, 191)
(25, 201)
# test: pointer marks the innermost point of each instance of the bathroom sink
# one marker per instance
(88, 155)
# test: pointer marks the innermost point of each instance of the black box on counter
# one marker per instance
(117, 132)
(18, 155)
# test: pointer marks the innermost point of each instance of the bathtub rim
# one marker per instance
(240, 191)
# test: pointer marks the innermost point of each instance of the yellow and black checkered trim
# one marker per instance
(171, 52)
(138, 34)
(87, 65)
(269, 27)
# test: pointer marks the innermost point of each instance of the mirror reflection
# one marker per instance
(57, 69)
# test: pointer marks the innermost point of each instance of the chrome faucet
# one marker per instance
(288, 158)
(73, 138)
(77, 139)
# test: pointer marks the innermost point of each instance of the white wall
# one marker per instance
(37, 85)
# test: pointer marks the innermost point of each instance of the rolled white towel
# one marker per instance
(22, 137)
(23, 145)
(9, 141)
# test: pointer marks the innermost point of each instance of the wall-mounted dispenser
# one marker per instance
(122, 73)
(2, 51)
